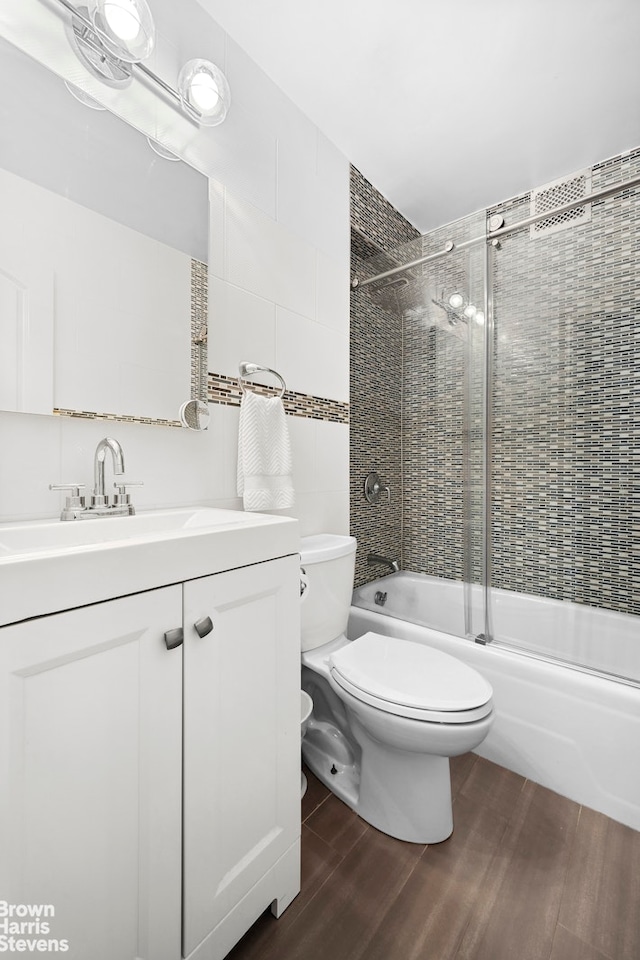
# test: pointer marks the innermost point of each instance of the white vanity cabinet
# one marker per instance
(152, 839)
(90, 776)
(241, 751)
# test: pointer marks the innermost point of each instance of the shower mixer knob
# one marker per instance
(374, 488)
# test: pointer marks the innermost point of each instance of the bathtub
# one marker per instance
(573, 730)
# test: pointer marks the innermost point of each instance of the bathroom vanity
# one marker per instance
(149, 736)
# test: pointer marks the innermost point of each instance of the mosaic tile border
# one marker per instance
(199, 301)
(117, 417)
(227, 391)
(199, 328)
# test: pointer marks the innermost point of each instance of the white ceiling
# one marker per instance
(448, 106)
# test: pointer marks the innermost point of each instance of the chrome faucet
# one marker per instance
(99, 498)
(75, 508)
(376, 558)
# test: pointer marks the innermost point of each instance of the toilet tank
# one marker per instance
(328, 562)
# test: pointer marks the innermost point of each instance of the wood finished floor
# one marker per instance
(526, 875)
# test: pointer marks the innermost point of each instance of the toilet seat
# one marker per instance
(410, 680)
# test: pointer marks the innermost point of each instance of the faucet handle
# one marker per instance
(74, 499)
(121, 498)
(74, 502)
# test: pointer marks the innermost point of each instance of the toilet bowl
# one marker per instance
(388, 713)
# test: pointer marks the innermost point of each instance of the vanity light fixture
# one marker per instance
(112, 37)
(125, 27)
(204, 92)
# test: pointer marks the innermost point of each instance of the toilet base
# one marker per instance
(340, 778)
(403, 794)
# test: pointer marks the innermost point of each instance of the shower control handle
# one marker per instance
(374, 488)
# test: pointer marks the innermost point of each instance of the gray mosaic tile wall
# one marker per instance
(442, 461)
(566, 426)
(565, 445)
(375, 381)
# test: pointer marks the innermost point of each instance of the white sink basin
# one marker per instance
(46, 536)
(46, 566)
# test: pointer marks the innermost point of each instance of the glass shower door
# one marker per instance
(564, 437)
(443, 309)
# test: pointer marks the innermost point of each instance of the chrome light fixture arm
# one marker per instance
(203, 94)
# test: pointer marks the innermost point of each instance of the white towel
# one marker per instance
(264, 454)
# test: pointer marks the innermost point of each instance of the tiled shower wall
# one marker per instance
(566, 431)
(565, 444)
(375, 383)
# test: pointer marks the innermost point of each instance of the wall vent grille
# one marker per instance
(557, 194)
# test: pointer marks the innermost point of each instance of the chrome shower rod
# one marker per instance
(566, 207)
(450, 246)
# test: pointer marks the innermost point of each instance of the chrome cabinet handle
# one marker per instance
(173, 638)
(204, 626)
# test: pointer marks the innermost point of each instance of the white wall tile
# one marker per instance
(332, 456)
(332, 293)
(332, 228)
(295, 350)
(29, 463)
(191, 33)
(217, 194)
(242, 155)
(314, 357)
(256, 92)
(322, 513)
(297, 206)
(302, 432)
(242, 326)
(267, 259)
(225, 449)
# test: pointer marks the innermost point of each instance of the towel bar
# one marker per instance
(247, 369)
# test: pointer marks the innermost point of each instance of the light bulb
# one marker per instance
(456, 300)
(204, 91)
(124, 27)
(470, 311)
(479, 317)
(122, 16)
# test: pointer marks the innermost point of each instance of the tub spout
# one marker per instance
(376, 558)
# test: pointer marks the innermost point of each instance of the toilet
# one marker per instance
(387, 713)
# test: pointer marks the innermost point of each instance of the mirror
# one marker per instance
(102, 246)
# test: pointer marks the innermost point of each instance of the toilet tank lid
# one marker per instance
(326, 546)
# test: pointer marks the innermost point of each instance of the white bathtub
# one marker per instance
(572, 731)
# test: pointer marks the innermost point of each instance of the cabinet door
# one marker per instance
(90, 777)
(241, 737)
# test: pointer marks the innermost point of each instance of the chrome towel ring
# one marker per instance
(247, 369)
